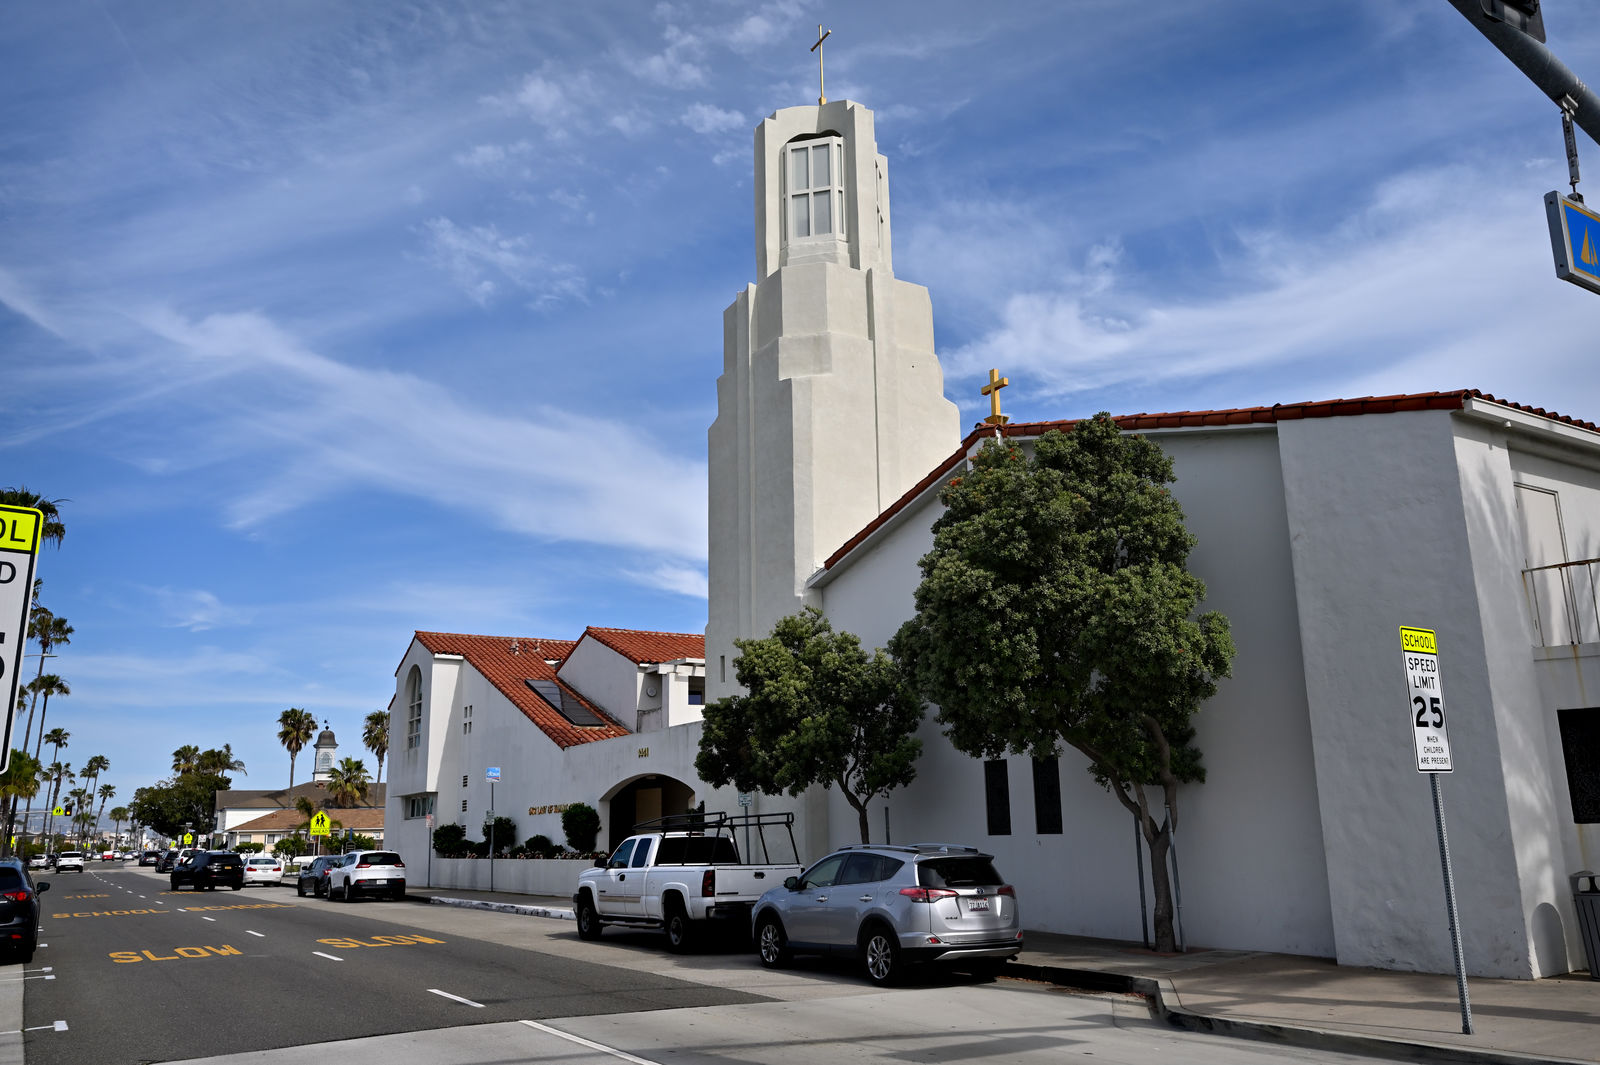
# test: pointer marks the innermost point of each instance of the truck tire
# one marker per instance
(680, 930)
(588, 920)
(772, 946)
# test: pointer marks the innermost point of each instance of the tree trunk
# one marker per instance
(859, 805)
(1159, 841)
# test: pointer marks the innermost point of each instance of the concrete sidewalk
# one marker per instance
(1294, 1001)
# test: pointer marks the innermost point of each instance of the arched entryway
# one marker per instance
(643, 799)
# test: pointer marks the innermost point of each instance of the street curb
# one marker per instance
(498, 907)
(1156, 996)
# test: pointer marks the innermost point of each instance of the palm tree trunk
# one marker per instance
(39, 744)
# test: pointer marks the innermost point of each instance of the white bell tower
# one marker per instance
(831, 400)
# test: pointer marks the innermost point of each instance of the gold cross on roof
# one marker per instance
(822, 86)
(992, 390)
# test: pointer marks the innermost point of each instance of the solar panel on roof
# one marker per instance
(565, 705)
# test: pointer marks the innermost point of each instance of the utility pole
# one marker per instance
(1516, 27)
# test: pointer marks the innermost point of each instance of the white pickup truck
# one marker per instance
(677, 873)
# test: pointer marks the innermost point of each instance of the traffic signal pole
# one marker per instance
(1540, 65)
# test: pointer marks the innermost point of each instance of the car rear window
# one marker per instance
(263, 861)
(10, 879)
(953, 872)
(382, 858)
(226, 859)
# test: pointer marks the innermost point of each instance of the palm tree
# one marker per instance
(295, 728)
(48, 631)
(53, 532)
(106, 792)
(219, 763)
(57, 738)
(375, 734)
(348, 782)
(81, 801)
(47, 684)
(20, 780)
(58, 774)
(93, 768)
(119, 814)
(186, 759)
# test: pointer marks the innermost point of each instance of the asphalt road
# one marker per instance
(142, 974)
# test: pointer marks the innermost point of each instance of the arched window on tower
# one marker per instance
(414, 708)
(814, 186)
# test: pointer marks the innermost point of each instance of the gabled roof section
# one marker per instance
(283, 798)
(1190, 419)
(509, 662)
(359, 818)
(640, 647)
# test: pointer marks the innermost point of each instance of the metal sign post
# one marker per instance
(493, 774)
(19, 549)
(1432, 743)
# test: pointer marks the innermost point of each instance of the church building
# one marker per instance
(1322, 528)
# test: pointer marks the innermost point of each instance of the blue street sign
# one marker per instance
(1575, 239)
(494, 774)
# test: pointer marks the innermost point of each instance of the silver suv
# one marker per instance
(892, 907)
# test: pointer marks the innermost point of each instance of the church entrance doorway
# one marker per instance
(644, 799)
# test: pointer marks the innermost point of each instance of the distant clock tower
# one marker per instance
(326, 747)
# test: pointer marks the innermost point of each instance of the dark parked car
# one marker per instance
(210, 870)
(19, 908)
(151, 858)
(314, 877)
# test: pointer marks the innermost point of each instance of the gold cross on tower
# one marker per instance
(992, 390)
(822, 87)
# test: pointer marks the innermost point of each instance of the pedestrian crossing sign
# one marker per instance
(319, 823)
(1575, 239)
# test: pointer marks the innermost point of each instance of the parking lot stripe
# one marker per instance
(457, 998)
(581, 1041)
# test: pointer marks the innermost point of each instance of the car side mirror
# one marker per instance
(43, 885)
(792, 883)
(601, 863)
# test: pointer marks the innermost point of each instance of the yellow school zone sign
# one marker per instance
(320, 823)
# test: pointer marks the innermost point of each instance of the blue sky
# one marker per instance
(336, 321)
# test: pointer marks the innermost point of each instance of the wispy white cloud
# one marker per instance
(676, 66)
(482, 260)
(194, 609)
(708, 118)
(672, 578)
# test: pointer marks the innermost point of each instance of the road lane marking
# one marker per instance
(330, 957)
(208, 919)
(591, 1044)
(59, 1026)
(457, 998)
(263, 935)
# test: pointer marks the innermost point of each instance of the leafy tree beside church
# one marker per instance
(819, 710)
(1055, 608)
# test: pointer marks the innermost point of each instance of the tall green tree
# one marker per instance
(186, 759)
(348, 782)
(818, 710)
(60, 774)
(49, 632)
(375, 735)
(19, 781)
(1056, 609)
(295, 729)
(219, 761)
(47, 684)
(106, 792)
(119, 814)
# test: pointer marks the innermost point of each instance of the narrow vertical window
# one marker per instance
(1047, 796)
(997, 795)
(414, 708)
(815, 188)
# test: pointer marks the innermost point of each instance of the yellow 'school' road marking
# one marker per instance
(109, 913)
(65, 897)
(126, 957)
(378, 941)
(241, 906)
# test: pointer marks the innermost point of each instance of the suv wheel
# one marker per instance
(771, 944)
(880, 955)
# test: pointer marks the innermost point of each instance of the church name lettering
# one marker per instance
(553, 808)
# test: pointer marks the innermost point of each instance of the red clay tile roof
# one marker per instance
(640, 646)
(507, 661)
(1279, 412)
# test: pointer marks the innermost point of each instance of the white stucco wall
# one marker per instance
(603, 676)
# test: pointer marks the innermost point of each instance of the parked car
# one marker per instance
(150, 858)
(69, 860)
(39, 861)
(19, 908)
(313, 879)
(378, 873)
(682, 874)
(209, 870)
(259, 870)
(892, 907)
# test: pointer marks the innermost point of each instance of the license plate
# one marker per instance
(977, 905)
(379, 881)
